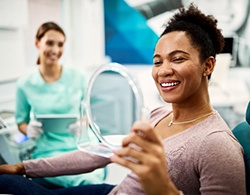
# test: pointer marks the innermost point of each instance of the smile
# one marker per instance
(169, 84)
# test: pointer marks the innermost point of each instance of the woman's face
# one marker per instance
(177, 70)
(51, 47)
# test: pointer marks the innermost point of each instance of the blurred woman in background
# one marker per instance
(52, 89)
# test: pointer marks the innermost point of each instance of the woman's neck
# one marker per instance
(191, 110)
(50, 74)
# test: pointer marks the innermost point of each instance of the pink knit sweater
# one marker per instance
(204, 159)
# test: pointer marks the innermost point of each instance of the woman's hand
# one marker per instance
(12, 169)
(74, 128)
(143, 153)
(34, 129)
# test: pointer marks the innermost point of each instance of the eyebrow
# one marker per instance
(51, 40)
(172, 53)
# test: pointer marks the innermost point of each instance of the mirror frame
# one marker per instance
(122, 70)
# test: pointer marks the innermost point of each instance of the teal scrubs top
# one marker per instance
(35, 96)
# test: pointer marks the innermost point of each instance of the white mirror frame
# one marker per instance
(123, 71)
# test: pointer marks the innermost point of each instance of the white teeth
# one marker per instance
(169, 84)
(53, 57)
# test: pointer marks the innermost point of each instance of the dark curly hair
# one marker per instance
(200, 28)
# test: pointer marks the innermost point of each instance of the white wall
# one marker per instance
(84, 25)
(13, 19)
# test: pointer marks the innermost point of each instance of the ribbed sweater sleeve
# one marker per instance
(75, 162)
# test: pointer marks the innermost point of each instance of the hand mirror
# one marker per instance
(113, 103)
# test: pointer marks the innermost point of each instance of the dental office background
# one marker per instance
(123, 31)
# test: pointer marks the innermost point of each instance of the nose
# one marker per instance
(165, 69)
(55, 49)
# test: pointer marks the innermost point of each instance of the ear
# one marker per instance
(37, 43)
(209, 65)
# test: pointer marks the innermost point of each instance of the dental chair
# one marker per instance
(242, 133)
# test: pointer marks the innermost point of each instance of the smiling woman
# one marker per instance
(52, 89)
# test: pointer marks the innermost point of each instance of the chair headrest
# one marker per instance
(248, 113)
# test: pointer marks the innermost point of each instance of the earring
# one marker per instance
(204, 74)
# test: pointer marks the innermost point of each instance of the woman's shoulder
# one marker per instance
(28, 77)
(214, 131)
(159, 113)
